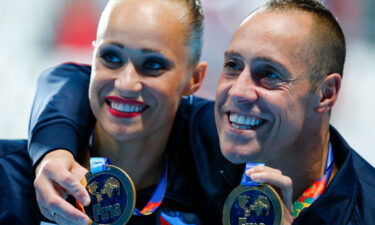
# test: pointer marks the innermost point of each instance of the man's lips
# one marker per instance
(124, 108)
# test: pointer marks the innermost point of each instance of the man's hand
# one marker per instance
(264, 174)
(57, 176)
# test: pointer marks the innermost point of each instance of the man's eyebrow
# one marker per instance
(271, 61)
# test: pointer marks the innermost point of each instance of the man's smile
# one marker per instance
(244, 122)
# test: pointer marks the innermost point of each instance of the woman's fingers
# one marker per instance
(57, 177)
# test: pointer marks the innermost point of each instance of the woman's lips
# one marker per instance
(124, 108)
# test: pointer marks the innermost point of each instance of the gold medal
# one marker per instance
(253, 205)
(112, 196)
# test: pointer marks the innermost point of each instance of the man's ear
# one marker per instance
(328, 91)
(196, 79)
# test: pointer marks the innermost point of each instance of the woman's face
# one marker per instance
(140, 69)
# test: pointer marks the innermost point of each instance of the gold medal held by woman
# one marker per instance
(251, 203)
(112, 195)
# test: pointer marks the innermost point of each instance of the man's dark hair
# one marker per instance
(328, 47)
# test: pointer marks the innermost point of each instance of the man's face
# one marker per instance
(264, 106)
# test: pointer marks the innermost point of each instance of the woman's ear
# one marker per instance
(328, 91)
(196, 79)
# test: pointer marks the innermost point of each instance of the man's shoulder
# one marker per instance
(363, 168)
(363, 212)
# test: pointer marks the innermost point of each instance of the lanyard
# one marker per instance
(98, 164)
(311, 194)
(316, 189)
(246, 181)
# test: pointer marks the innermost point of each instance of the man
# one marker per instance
(282, 75)
(281, 78)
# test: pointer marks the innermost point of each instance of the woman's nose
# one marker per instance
(128, 82)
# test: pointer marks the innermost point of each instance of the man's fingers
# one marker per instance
(265, 174)
(287, 219)
(261, 168)
(282, 182)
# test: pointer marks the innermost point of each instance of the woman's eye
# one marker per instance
(111, 58)
(230, 65)
(152, 65)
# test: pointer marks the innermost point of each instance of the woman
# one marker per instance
(141, 69)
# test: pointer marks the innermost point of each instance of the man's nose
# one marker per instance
(128, 83)
(244, 89)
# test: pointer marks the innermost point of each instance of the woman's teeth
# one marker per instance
(127, 108)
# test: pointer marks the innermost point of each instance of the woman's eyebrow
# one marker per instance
(230, 54)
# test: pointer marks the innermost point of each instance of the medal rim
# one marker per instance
(129, 187)
(264, 188)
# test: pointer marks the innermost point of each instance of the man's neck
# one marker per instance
(306, 165)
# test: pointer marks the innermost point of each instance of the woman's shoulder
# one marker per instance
(16, 184)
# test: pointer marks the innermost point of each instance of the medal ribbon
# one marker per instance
(98, 164)
(316, 189)
(246, 181)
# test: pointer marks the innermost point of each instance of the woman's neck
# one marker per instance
(141, 158)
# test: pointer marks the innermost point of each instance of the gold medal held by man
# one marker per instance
(251, 203)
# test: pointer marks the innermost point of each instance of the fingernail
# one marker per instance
(86, 201)
(249, 172)
(254, 176)
(84, 221)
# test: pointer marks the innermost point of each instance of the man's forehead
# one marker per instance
(273, 28)
(293, 22)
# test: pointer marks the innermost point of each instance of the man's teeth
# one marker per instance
(126, 108)
(240, 121)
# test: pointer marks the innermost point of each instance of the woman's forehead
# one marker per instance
(143, 24)
(140, 12)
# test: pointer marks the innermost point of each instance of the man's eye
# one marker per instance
(152, 65)
(268, 74)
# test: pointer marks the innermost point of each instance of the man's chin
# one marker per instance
(238, 157)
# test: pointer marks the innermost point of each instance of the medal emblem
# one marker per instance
(253, 205)
(112, 196)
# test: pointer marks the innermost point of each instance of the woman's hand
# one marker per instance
(274, 177)
(57, 176)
